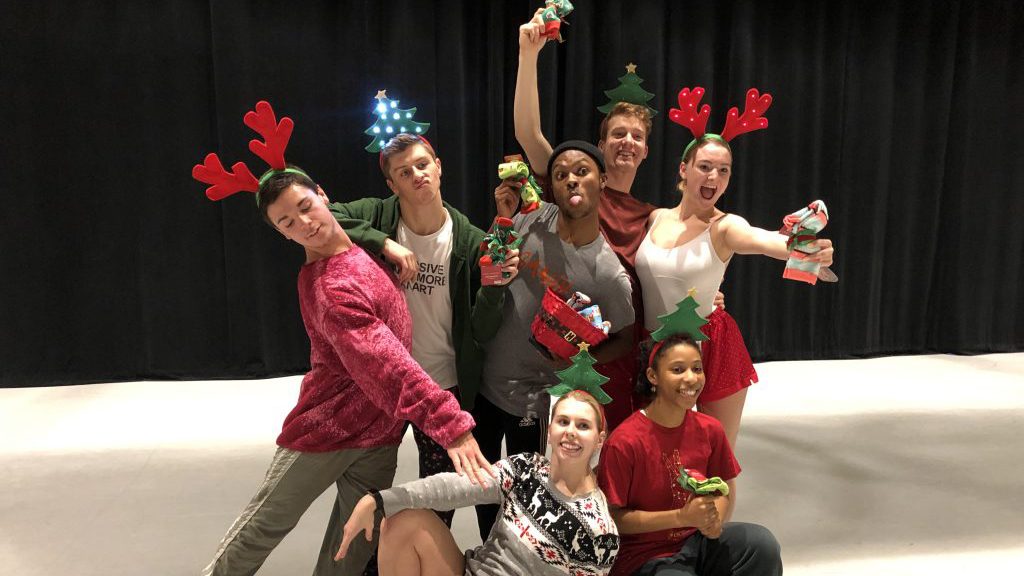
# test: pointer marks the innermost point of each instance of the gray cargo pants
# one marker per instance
(294, 480)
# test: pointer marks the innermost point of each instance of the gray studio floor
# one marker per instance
(905, 465)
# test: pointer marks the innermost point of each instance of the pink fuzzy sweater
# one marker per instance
(363, 384)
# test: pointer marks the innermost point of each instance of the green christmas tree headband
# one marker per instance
(581, 376)
(392, 121)
(628, 91)
(684, 320)
(275, 139)
(688, 116)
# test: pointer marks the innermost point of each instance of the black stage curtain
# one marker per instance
(904, 116)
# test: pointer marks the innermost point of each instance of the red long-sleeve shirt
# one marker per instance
(362, 383)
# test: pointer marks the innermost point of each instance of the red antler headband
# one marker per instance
(275, 139)
(689, 116)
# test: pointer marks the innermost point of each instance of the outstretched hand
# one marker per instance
(361, 520)
(467, 458)
(402, 259)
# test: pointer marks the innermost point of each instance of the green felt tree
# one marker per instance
(684, 319)
(581, 376)
(628, 90)
(391, 121)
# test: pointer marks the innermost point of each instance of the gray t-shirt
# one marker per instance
(515, 372)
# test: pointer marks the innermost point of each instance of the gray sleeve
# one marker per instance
(617, 301)
(445, 491)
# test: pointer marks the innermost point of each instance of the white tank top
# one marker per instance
(667, 274)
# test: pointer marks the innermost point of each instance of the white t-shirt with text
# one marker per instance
(430, 302)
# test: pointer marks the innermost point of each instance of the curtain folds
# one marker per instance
(903, 116)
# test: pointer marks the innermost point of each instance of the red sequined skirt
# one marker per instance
(727, 365)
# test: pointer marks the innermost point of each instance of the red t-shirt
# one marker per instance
(638, 471)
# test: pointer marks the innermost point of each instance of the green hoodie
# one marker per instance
(476, 310)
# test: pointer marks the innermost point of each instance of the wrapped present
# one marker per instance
(593, 315)
(578, 301)
(560, 330)
(695, 483)
(803, 227)
(554, 12)
(496, 245)
(529, 191)
(585, 307)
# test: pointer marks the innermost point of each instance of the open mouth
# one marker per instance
(708, 192)
(575, 199)
(689, 392)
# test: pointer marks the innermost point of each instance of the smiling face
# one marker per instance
(576, 183)
(677, 376)
(625, 143)
(301, 215)
(706, 176)
(575, 431)
(415, 175)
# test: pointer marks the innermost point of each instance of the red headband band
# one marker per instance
(654, 352)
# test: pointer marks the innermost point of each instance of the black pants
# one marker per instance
(520, 434)
(433, 460)
(742, 550)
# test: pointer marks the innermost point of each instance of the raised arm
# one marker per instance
(526, 107)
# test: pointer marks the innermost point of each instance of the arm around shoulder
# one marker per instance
(361, 220)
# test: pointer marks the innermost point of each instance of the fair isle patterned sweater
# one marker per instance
(540, 531)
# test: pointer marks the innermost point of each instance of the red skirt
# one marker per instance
(727, 365)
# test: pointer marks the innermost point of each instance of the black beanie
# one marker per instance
(585, 147)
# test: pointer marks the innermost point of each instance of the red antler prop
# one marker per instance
(751, 119)
(224, 183)
(275, 134)
(687, 114)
